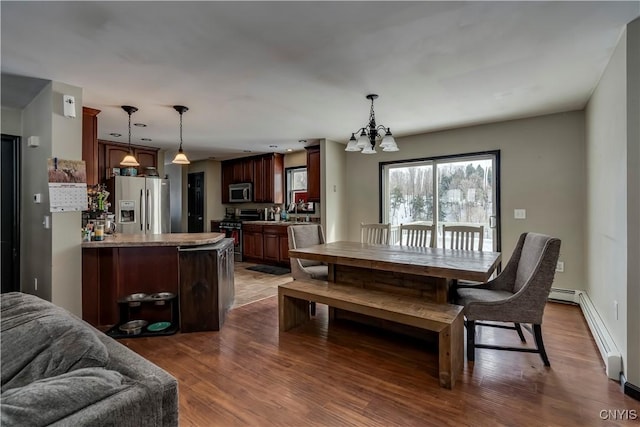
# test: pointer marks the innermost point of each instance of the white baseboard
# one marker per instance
(608, 349)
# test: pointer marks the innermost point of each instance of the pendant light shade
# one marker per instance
(129, 159)
(180, 158)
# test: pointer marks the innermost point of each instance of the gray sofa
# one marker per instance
(58, 370)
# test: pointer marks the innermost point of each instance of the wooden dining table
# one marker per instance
(426, 272)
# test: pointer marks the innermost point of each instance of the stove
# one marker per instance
(232, 227)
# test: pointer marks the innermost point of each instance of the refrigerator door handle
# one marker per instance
(141, 213)
(148, 208)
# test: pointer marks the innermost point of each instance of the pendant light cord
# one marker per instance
(180, 149)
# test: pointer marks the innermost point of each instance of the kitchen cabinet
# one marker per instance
(265, 172)
(252, 243)
(274, 241)
(111, 154)
(268, 174)
(90, 144)
(313, 173)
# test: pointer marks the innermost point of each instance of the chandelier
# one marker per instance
(366, 142)
(129, 159)
(180, 158)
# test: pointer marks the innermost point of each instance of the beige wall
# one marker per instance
(333, 189)
(542, 171)
(613, 227)
(11, 121)
(51, 255)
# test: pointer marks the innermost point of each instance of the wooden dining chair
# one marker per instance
(418, 235)
(375, 233)
(467, 237)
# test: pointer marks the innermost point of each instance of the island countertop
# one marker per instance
(167, 239)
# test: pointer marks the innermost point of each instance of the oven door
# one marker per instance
(236, 235)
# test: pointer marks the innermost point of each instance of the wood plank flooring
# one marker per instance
(249, 374)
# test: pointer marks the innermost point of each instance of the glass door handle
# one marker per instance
(493, 221)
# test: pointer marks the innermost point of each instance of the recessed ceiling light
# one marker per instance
(246, 151)
(273, 146)
(302, 141)
(146, 139)
(289, 150)
(140, 125)
(116, 135)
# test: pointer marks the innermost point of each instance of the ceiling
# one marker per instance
(261, 76)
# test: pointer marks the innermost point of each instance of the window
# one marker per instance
(296, 190)
(456, 190)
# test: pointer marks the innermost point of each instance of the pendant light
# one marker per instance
(180, 158)
(366, 141)
(129, 159)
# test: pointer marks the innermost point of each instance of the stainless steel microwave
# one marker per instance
(241, 192)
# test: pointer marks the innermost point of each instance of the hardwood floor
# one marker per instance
(345, 374)
(252, 286)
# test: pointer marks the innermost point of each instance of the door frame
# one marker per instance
(15, 198)
(435, 160)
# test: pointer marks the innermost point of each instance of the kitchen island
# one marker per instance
(178, 263)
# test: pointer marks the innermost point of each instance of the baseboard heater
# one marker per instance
(608, 350)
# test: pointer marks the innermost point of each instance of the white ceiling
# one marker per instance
(255, 74)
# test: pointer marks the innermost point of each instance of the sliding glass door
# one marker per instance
(456, 190)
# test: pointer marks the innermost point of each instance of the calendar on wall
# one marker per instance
(67, 185)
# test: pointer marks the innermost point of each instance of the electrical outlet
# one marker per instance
(520, 213)
(560, 267)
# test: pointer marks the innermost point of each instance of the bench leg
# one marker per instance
(451, 353)
(291, 312)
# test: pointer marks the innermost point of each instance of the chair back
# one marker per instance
(375, 233)
(466, 237)
(302, 236)
(538, 260)
(418, 235)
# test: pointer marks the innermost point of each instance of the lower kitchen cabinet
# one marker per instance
(252, 241)
(267, 244)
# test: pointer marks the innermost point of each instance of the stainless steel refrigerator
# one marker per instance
(141, 205)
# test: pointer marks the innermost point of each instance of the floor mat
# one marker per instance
(270, 269)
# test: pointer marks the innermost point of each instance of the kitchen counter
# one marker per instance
(169, 239)
(281, 223)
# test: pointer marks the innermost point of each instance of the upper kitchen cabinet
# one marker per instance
(265, 172)
(90, 144)
(110, 154)
(313, 173)
(267, 186)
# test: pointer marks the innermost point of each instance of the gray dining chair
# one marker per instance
(517, 295)
(302, 236)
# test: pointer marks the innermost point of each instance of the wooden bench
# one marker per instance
(444, 319)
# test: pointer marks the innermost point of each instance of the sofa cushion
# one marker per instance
(40, 340)
(48, 400)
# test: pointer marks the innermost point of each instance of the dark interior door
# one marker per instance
(195, 202)
(10, 225)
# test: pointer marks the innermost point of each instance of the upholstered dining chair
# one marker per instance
(375, 233)
(467, 237)
(302, 236)
(517, 295)
(418, 235)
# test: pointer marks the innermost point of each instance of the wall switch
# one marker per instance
(560, 267)
(520, 213)
(35, 283)
(615, 308)
(37, 198)
(47, 221)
